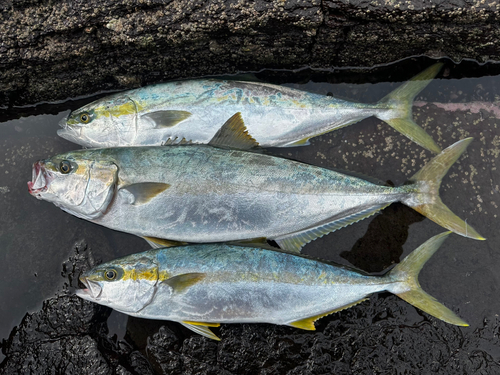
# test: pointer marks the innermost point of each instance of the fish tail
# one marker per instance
(408, 288)
(400, 103)
(425, 191)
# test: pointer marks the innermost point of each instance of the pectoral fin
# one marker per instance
(157, 243)
(234, 134)
(202, 329)
(295, 241)
(143, 192)
(180, 283)
(166, 119)
(308, 323)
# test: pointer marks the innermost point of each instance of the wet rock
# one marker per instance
(59, 49)
(58, 339)
(383, 335)
(68, 335)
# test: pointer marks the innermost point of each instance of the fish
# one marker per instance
(203, 194)
(197, 111)
(204, 285)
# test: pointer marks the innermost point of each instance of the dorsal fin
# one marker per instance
(176, 141)
(234, 134)
(201, 329)
(308, 323)
(260, 242)
(166, 119)
(295, 241)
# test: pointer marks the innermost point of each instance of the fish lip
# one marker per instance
(69, 132)
(63, 123)
(93, 290)
(40, 180)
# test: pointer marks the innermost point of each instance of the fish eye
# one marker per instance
(85, 118)
(110, 274)
(65, 167)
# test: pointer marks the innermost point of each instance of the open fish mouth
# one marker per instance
(92, 291)
(39, 180)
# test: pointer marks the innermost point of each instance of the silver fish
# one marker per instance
(201, 286)
(205, 194)
(194, 111)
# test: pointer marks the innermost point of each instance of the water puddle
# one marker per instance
(37, 238)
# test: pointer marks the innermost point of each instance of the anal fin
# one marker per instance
(157, 243)
(295, 241)
(308, 323)
(201, 329)
(300, 142)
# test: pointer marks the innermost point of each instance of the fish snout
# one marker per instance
(92, 291)
(39, 179)
(63, 123)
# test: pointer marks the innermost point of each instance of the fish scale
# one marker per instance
(209, 284)
(195, 110)
(207, 194)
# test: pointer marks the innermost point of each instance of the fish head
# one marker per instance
(83, 187)
(107, 122)
(127, 284)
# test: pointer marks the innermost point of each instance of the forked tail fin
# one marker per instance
(401, 102)
(426, 200)
(407, 287)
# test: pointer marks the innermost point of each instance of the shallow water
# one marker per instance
(36, 237)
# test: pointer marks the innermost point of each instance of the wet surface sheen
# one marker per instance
(38, 261)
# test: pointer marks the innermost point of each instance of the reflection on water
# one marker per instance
(36, 237)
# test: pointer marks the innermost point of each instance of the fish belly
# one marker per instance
(219, 195)
(277, 303)
(248, 284)
(228, 217)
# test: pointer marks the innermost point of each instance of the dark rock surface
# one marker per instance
(56, 49)
(384, 335)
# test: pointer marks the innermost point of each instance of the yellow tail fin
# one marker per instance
(401, 103)
(408, 287)
(427, 181)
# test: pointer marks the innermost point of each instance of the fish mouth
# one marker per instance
(69, 132)
(40, 180)
(92, 291)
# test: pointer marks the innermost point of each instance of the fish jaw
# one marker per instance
(92, 292)
(40, 180)
(74, 133)
(71, 133)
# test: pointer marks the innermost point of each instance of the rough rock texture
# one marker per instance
(381, 336)
(384, 335)
(55, 49)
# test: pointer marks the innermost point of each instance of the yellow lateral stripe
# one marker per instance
(150, 275)
(128, 108)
